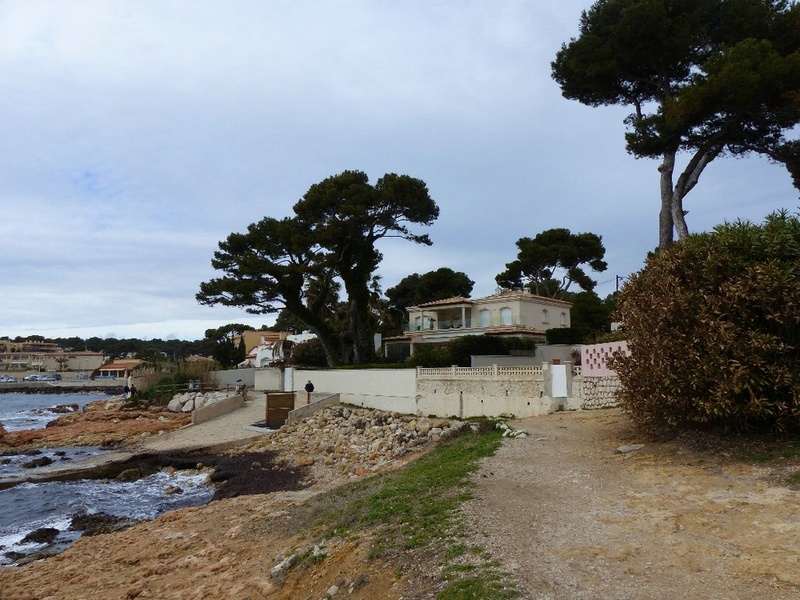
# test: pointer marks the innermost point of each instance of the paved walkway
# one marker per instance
(229, 429)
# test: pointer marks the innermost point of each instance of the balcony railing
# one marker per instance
(445, 325)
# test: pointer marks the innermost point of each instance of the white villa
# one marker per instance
(512, 314)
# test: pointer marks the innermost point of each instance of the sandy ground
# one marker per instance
(565, 513)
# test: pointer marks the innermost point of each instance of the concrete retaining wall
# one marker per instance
(201, 415)
(309, 409)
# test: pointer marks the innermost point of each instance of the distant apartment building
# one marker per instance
(33, 355)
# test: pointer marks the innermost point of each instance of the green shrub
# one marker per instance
(459, 351)
(713, 328)
(569, 335)
(309, 354)
(430, 355)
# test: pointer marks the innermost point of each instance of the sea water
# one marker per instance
(27, 507)
(30, 506)
(33, 411)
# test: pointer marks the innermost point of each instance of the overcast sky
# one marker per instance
(138, 134)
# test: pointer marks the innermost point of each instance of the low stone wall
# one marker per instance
(212, 411)
(598, 392)
(465, 392)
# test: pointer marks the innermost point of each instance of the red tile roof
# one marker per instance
(122, 364)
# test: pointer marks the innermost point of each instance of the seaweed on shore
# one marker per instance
(255, 473)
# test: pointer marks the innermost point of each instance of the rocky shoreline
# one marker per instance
(337, 444)
(106, 423)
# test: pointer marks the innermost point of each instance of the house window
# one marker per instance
(563, 319)
(417, 323)
(545, 318)
(484, 317)
(505, 316)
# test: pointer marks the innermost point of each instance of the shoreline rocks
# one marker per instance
(349, 441)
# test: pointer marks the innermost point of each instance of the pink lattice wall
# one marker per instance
(594, 358)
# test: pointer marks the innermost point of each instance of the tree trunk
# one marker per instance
(686, 182)
(363, 351)
(666, 215)
(331, 343)
(678, 216)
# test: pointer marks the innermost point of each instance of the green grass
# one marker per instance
(416, 509)
(477, 588)
(791, 450)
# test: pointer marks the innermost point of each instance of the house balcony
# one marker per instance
(456, 326)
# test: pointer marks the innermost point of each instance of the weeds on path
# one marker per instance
(415, 512)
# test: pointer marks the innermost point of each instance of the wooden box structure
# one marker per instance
(278, 406)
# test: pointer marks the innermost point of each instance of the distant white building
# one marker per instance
(273, 350)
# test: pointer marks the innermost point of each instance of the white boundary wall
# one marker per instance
(464, 392)
(383, 389)
(233, 378)
(269, 379)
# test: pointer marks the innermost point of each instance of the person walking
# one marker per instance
(309, 389)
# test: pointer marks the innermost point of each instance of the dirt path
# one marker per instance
(573, 518)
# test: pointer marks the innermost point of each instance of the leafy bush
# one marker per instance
(613, 336)
(459, 351)
(309, 354)
(713, 328)
(162, 391)
(157, 382)
(569, 335)
(430, 355)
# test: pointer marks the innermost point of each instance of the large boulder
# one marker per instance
(175, 405)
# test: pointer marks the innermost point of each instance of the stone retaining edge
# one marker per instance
(309, 409)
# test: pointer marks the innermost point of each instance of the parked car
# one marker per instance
(33, 377)
(8, 379)
(50, 377)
